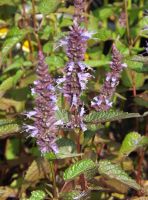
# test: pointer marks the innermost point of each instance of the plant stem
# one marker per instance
(26, 24)
(35, 26)
(82, 178)
(54, 180)
(139, 167)
(127, 6)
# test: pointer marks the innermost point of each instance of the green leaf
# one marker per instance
(69, 195)
(105, 12)
(74, 194)
(8, 2)
(136, 66)
(37, 195)
(131, 142)
(106, 116)
(17, 64)
(8, 129)
(12, 149)
(97, 63)
(104, 34)
(114, 171)
(78, 168)
(128, 81)
(62, 115)
(66, 145)
(138, 58)
(8, 103)
(54, 62)
(48, 6)
(14, 36)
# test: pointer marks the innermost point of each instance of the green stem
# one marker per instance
(141, 5)
(126, 4)
(82, 178)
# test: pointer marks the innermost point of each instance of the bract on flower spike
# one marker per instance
(44, 128)
(103, 101)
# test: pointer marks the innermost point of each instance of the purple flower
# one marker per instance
(76, 73)
(103, 101)
(44, 128)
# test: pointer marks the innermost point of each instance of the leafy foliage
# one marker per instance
(97, 163)
(114, 171)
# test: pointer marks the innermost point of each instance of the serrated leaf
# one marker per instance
(104, 34)
(128, 81)
(138, 58)
(54, 62)
(8, 129)
(6, 121)
(132, 141)
(61, 155)
(10, 82)
(114, 171)
(14, 36)
(106, 116)
(62, 115)
(78, 168)
(67, 149)
(48, 6)
(37, 195)
(66, 145)
(136, 66)
(69, 195)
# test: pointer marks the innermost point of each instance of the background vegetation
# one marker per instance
(24, 173)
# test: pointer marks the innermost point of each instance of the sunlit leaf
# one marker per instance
(114, 171)
(78, 168)
(15, 35)
(48, 6)
(10, 82)
(37, 195)
(8, 129)
(62, 115)
(106, 116)
(132, 141)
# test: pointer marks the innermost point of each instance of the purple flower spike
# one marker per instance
(44, 128)
(103, 101)
(76, 73)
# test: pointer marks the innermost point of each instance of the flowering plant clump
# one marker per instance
(79, 147)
